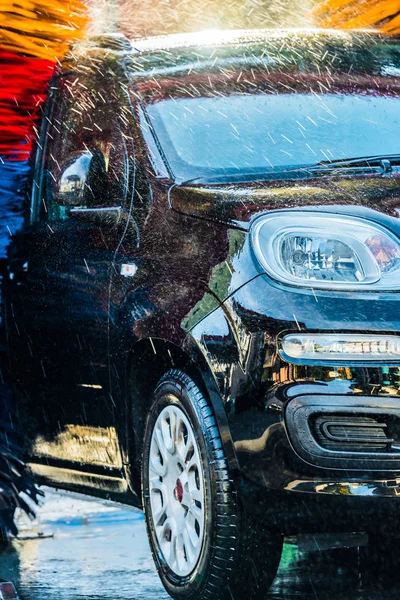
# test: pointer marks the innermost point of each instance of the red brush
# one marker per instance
(20, 98)
(34, 34)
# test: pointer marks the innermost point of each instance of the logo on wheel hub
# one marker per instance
(178, 492)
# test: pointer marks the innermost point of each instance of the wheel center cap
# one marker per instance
(178, 492)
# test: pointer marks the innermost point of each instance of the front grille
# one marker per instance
(353, 433)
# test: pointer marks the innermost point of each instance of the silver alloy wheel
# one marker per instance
(176, 487)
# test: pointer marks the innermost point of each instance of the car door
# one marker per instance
(62, 270)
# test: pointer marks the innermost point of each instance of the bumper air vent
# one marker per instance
(356, 434)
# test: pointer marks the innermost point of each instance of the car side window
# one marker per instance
(85, 120)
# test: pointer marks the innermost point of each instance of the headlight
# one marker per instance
(327, 251)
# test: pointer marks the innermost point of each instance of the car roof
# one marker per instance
(216, 37)
(288, 50)
(118, 42)
(285, 52)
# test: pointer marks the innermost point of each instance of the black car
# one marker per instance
(203, 305)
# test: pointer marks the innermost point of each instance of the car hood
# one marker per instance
(238, 205)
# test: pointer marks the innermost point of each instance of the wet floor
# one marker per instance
(98, 550)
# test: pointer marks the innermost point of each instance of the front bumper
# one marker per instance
(326, 507)
(289, 422)
(295, 491)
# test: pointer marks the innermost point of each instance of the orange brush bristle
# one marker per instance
(40, 28)
(353, 14)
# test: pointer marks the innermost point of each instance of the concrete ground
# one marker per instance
(96, 550)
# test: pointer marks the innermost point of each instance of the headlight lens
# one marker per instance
(327, 251)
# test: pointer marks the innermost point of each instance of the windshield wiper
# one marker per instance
(381, 164)
(365, 163)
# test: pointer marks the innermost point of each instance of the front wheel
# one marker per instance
(203, 543)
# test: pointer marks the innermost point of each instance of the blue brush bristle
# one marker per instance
(14, 177)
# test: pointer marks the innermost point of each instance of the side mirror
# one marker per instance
(82, 180)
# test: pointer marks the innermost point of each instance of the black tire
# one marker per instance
(238, 559)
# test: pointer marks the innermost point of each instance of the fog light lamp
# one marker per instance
(345, 349)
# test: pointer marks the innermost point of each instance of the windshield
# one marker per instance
(245, 133)
(273, 104)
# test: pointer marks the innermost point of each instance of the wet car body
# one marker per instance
(168, 277)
